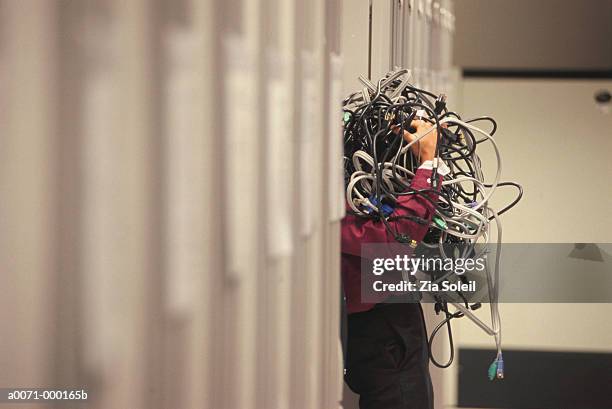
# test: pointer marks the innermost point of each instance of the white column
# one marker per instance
(28, 201)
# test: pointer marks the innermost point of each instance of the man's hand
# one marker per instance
(425, 148)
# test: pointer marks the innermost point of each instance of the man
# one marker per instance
(387, 361)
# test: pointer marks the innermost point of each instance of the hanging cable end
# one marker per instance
(440, 104)
(492, 370)
(500, 367)
(496, 369)
(434, 174)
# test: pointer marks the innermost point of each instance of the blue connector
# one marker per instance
(496, 369)
(386, 209)
(500, 367)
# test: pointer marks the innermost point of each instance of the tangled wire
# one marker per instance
(379, 166)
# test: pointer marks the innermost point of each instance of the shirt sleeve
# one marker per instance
(357, 230)
(443, 170)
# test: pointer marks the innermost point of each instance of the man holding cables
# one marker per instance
(387, 352)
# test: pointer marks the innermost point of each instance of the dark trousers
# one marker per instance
(387, 361)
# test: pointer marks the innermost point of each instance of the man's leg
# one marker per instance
(388, 360)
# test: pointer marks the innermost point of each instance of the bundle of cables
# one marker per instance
(378, 168)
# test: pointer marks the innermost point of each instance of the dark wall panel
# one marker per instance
(536, 380)
(534, 34)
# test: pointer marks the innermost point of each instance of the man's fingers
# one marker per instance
(417, 126)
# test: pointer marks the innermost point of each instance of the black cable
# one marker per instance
(514, 202)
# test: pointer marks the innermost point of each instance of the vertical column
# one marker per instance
(237, 204)
(381, 38)
(427, 45)
(70, 84)
(397, 33)
(28, 202)
(277, 113)
(100, 225)
(315, 266)
(117, 226)
(436, 49)
(307, 126)
(354, 37)
(188, 197)
(205, 111)
(336, 204)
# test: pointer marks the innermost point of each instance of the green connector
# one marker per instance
(440, 222)
(492, 370)
(347, 116)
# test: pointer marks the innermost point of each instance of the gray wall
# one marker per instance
(534, 34)
(125, 266)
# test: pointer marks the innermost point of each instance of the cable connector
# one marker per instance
(380, 206)
(492, 370)
(440, 104)
(500, 367)
(496, 369)
(403, 238)
(440, 222)
(421, 113)
(434, 174)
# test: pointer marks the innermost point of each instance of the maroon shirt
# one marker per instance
(357, 230)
